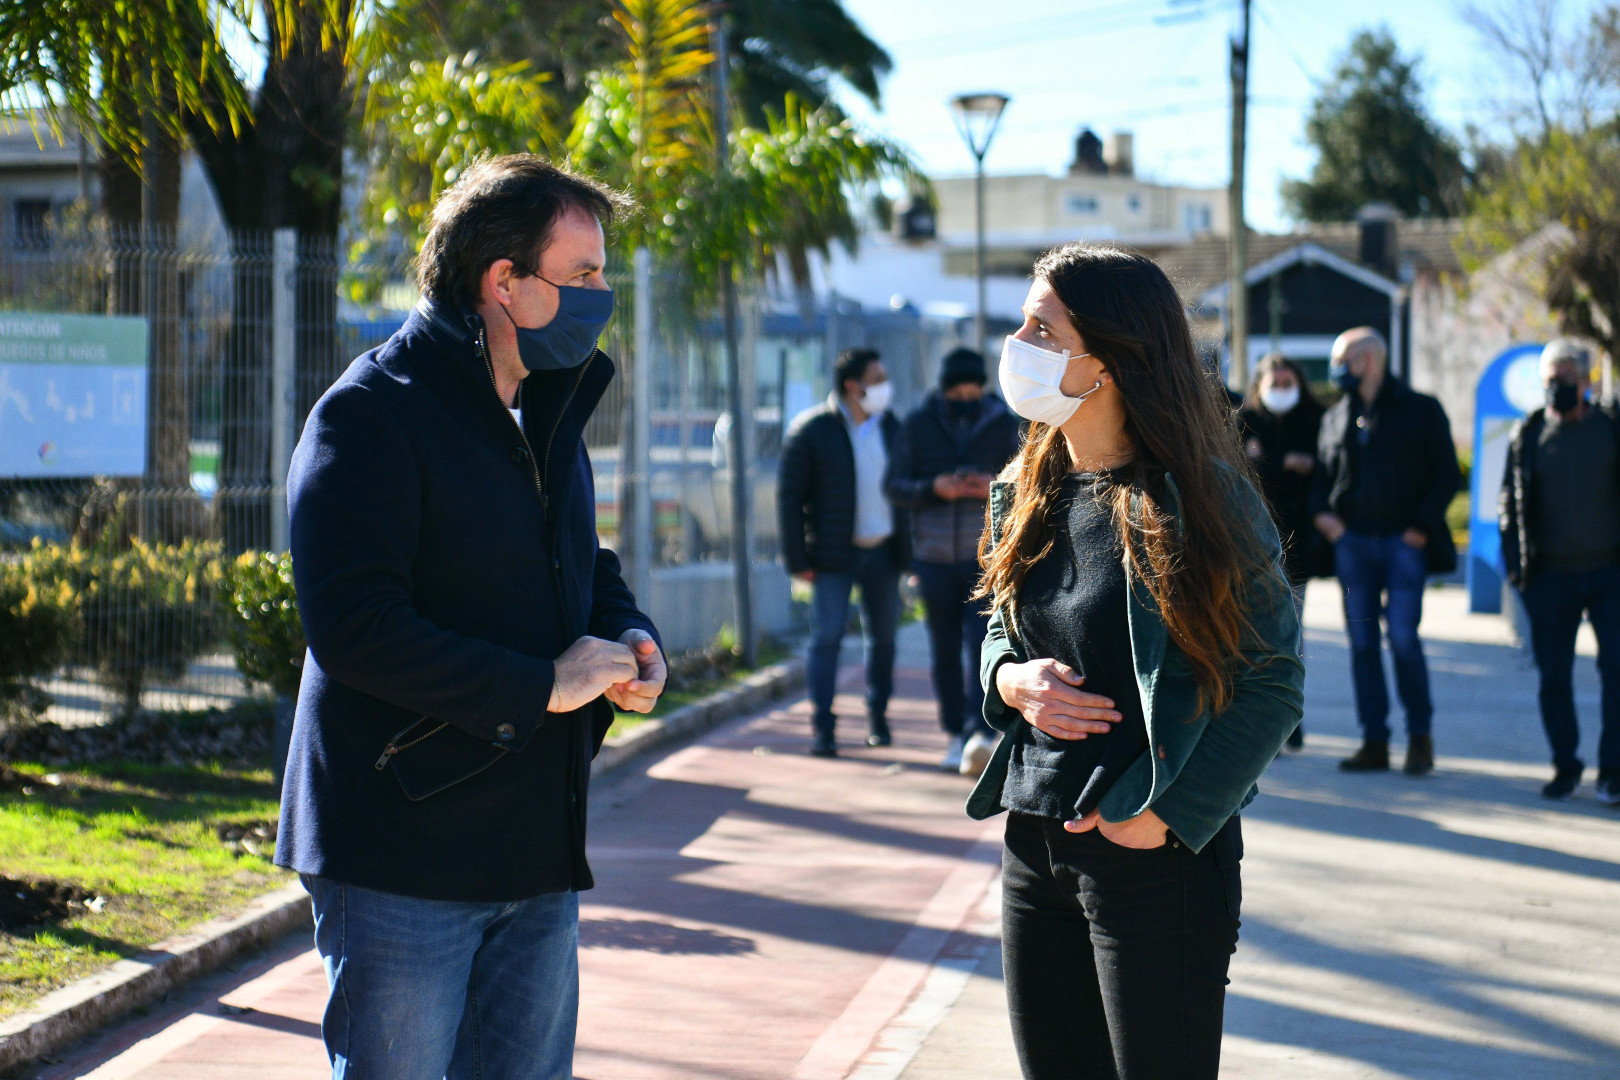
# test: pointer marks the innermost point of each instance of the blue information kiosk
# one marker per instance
(1509, 390)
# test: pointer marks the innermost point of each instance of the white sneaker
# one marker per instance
(976, 754)
(952, 761)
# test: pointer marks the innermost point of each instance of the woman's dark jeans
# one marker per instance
(1116, 958)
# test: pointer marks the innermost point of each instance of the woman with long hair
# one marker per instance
(1143, 667)
(1279, 423)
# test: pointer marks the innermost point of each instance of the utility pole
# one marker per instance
(742, 412)
(1237, 293)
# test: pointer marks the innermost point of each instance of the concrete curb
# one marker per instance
(762, 687)
(92, 1003)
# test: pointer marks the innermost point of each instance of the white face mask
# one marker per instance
(877, 398)
(1279, 400)
(1030, 378)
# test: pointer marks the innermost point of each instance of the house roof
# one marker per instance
(1200, 266)
(1308, 254)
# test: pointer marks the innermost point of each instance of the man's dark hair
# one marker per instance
(502, 208)
(852, 364)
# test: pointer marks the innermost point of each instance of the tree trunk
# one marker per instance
(282, 170)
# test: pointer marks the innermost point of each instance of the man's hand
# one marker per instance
(1416, 538)
(640, 694)
(975, 486)
(1299, 461)
(1330, 526)
(587, 669)
(1045, 692)
(1144, 832)
(948, 486)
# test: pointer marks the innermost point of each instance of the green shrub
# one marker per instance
(145, 610)
(261, 620)
(37, 628)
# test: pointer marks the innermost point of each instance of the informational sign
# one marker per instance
(72, 395)
(1509, 390)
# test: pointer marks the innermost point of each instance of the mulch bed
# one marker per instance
(146, 738)
(24, 904)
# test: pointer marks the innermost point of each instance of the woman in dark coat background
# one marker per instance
(1279, 422)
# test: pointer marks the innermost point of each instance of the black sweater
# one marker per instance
(1072, 608)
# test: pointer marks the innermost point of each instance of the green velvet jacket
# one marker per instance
(1199, 769)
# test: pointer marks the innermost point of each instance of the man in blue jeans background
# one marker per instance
(1560, 520)
(468, 640)
(950, 448)
(1387, 470)
(839, 530)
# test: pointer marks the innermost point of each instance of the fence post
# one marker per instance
(283, 380)
(640, 540)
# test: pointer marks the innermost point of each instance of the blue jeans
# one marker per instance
(879, 579)
(446, 990)
(1371, 568)
(1554, 602)
(956, 625)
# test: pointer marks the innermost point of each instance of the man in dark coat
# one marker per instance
(950, 449)
(467, 635)
(838, 531)
(1386, 471)
(1560, 520)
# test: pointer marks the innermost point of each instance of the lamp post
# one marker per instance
(977, 117)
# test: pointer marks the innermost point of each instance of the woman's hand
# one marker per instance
(1144, 832)
(1047, 694)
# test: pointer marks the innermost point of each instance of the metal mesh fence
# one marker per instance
(151, 393)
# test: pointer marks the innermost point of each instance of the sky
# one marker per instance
(1155, 67)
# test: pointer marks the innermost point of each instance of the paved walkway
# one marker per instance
(762, 914)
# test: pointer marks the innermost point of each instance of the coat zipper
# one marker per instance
(489, 366)
(393, 746)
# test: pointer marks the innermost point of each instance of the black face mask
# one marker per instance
(963, 412)
(1563, 397)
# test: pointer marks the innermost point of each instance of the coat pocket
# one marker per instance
(428, 756)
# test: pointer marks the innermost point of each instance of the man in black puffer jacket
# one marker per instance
(839, 531)
(951, 448)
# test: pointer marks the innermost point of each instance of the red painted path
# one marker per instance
(758, 914)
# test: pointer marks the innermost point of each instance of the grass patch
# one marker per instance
(143, 837)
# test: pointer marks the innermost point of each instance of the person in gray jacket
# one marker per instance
(950, 449)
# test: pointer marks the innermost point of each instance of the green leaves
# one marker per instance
(1375, 142)
(261, 620)
(1561, 196)
(431, 121)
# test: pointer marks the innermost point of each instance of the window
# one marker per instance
(1079, 204)
(30, 222)
(1195, 217)
(1133, 203)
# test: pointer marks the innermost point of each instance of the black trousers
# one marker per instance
(1116, 958)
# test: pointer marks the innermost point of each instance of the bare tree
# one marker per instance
(1560, 75)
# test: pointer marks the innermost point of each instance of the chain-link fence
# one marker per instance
(151, 393)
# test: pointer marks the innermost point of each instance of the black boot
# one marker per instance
(1419, 755)
(1296, 738)
(823, 745)
(878, 732)
(1372, 757)
(1564, 782)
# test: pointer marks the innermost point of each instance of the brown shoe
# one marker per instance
(1372, 757)
(1419, 755)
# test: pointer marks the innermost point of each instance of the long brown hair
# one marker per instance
(1180, 421)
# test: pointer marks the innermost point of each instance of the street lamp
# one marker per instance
(977, 117)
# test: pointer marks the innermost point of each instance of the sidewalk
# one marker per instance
(763, 914)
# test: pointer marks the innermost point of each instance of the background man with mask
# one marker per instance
(1387, 470)
(838, 531)
(1560, 520)
(950, 449)
(467, 635)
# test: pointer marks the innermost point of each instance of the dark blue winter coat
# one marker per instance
(442, 560)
